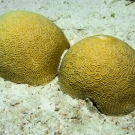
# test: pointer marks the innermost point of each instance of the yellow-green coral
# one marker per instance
(30, 47)
(101, 68)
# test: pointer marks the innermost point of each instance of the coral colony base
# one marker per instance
(50, 109)
(101, 68)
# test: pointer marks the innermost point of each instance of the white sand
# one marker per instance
(45, 109)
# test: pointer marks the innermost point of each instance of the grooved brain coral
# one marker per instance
(101, 68)
(30, 47)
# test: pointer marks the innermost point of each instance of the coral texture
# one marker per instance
(101, 68)
(30, 47)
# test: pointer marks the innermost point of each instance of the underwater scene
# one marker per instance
(67, 67)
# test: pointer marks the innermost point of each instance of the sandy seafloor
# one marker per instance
(46, 110)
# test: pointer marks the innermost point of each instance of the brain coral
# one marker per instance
(30, 47)
(101, 68)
